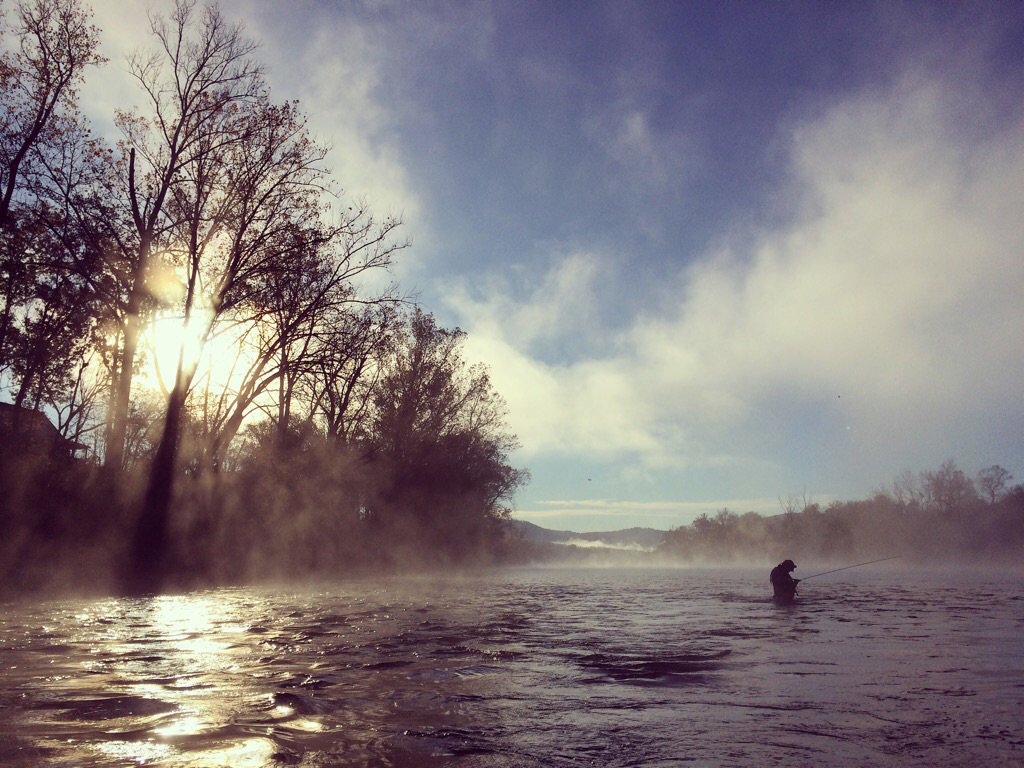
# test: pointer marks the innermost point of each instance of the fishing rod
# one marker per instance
(848, 567)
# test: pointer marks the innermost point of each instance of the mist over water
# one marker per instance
(529, 667)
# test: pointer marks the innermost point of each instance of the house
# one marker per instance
(27, 431)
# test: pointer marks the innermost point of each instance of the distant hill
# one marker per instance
(627, 538)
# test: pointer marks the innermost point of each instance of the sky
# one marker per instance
(715, 254)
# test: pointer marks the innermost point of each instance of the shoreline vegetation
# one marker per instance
(207, 371)
(296, 514)
(207, 375)
(933, 518)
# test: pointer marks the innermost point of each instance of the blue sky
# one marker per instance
(715, 254)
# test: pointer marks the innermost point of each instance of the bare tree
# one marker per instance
(292, 313)
(340, 379)
(200, 74)
(235, 211)
(908, 489)
(994, 482)
(54, 42)
(948, 489)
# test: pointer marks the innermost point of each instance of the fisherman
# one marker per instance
(784, 584)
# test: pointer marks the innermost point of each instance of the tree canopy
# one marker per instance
(189, 301)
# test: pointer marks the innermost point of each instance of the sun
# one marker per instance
(170, 341)
(218, 356)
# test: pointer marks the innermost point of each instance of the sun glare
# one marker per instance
(220, 357)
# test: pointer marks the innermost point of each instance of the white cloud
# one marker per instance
(895, 294)
(336, 72)
(899, 282)
(562, 303)
(333, 66)
(585, 408)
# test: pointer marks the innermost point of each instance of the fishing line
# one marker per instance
(847, 567)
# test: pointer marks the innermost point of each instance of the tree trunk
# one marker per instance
(147, 559)
(122, 395)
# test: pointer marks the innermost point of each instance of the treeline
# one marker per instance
(192, 306)
(935, 516)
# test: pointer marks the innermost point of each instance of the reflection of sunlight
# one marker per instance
(308, 725)
(175, 658)
(140, 752)
(286, 711)
(189, 725)
(283, 710)
(187, 623)
(246, 753)
(182, 615)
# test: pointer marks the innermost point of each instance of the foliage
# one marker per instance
(214, 211)
(437, 443)
(936, 515)
(46, 316)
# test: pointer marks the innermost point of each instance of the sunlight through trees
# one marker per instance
(196, 284)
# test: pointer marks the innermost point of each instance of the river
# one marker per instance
(525, 668)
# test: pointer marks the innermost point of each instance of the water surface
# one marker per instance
(541, 667)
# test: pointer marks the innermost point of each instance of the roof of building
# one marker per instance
(32, 426)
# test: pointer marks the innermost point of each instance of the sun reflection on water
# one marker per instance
(188, 725)
(251, 752)
(186, 642)
(186, 614)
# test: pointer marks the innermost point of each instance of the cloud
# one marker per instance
(898, 281)
(337, 72)
(554, 402)
(891, 300)
(334, 69)
(562, 303)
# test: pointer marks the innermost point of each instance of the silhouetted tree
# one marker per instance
(55, 43)
(438, 437)
(43, 320)
(948, 489)
(201, 73)
(994, 482)
(231, 227)
(341, 377)
(296, 318)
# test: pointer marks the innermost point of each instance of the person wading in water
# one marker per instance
(784, 584)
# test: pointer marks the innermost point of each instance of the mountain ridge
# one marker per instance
(624, 538)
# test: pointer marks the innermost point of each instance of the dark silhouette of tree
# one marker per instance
(295, 317)
(235, 228)
(214, 211)
(196, 81)
(56, 42)
(340, 379)
(931, 516)
(948, 489)
(994, 483)
(437, 437)
(201, 73)
(44, 317)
